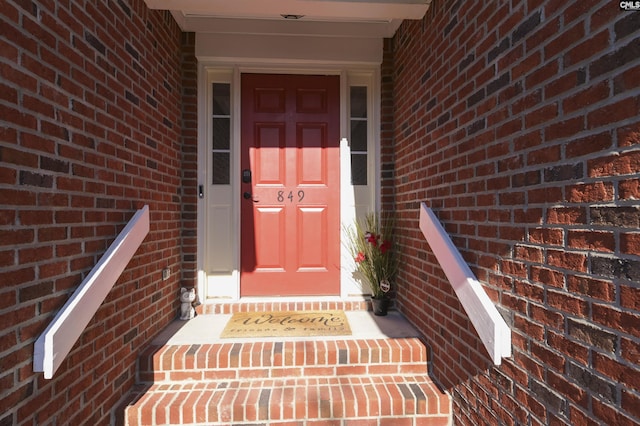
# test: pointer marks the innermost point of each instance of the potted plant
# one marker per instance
(371, 245)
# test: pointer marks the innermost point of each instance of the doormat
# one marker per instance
(287, 324)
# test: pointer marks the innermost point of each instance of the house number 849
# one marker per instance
(290, 196)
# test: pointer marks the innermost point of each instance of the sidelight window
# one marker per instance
(358, 120)
(221, 135)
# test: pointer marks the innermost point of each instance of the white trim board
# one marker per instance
(56, 341)
(299, 51)
(489, 324)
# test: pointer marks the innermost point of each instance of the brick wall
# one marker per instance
(518, 123)
(387, 180)
(189, 70)
(90, 131)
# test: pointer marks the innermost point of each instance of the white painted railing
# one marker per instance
(489, 324)
(56, 341)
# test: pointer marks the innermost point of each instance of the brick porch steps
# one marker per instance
(363, 400)
(264, 360)
(314, 381)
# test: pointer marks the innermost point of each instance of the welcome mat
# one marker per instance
(287, 324)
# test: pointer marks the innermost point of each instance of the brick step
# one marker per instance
(367, 379)
(276, 359)
(211, 307)
(364, 400)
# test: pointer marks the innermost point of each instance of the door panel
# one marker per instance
(312, 232)
(269, 154)
(290, 224)
(269, 225)
(269, 100)
(312, 160)
(311, 101)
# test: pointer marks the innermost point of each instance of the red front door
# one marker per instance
(290, 223)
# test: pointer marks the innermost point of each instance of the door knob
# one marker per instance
(247, 196)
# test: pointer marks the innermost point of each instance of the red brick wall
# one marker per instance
(518, 123)
(90, 131)
(189, 160)
(387, 181)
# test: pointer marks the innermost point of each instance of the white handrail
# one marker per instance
(489, 324)
(56, 341)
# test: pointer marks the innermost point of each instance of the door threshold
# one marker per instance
(300, 303)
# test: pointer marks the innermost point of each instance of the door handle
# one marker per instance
(247, 196)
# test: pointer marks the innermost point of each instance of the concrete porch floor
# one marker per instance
(207, 328)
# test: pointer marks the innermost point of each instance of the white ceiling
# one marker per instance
(359, 18)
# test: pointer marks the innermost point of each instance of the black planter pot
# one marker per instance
(380, 306)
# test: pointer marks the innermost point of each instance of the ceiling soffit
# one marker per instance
(335, 18)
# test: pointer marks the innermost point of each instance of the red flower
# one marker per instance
(360, 257)
(385, 246)
(371, 238)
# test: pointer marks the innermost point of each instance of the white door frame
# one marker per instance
(224, 282)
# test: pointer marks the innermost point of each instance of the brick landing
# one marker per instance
(366, 379)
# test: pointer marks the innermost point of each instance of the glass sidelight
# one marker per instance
(221, 135)
(358, 120)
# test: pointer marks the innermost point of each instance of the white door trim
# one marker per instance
(226, 285)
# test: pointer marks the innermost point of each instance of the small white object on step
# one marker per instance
(187, 297)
